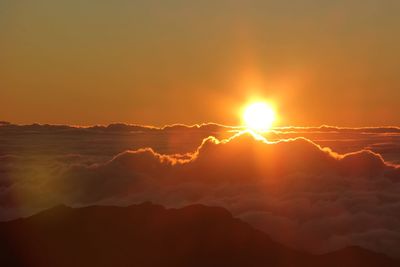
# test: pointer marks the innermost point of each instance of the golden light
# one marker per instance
(259, 116)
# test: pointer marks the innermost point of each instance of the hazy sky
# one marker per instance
(170, 61)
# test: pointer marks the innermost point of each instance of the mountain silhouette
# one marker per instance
(150, 235)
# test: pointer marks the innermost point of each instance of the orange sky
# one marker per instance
(161, 62)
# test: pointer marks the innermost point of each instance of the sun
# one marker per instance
(259, 116)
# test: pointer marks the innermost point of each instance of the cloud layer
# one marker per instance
(301, 194)
(99, 143)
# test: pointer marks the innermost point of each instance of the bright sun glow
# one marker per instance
(259, 116)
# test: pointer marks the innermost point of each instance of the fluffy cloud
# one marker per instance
(298, 192)
(99, 143)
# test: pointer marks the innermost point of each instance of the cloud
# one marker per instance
(298, 192)
(105, 141)
(102, 141)
(7, 127)
(294, 189)
(336, 129)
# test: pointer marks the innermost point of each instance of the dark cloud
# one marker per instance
(336, 129)
(102, 142)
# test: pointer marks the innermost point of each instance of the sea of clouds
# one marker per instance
(312, 188)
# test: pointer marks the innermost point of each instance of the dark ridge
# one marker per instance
(150, 235)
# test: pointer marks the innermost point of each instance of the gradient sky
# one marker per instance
(162, 62)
